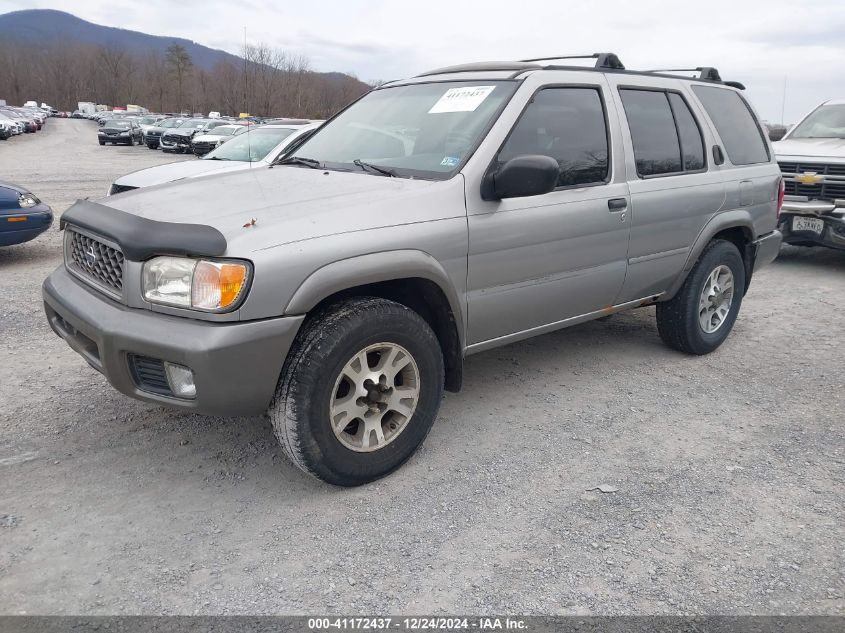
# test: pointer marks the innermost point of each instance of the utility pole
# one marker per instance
(245, 74)
(783, 102)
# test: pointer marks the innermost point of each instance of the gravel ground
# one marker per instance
(728, 468)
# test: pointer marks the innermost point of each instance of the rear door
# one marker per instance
(675, 188)
(536, 262)
(751, 177)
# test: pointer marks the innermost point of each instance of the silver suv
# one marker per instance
(439, 216)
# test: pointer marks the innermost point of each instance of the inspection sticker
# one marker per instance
(450, 161)
(464, 99)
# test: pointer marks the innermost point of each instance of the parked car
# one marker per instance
(148, 122)
(435, 217)
(123, 131)
(152, 136)
(179, 139)
(23, 216)
(6, 129)
(15, 125)
(812, 159)
(203, 143)
(27, 123)
(258, 147)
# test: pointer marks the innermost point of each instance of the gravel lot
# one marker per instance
(729, 468)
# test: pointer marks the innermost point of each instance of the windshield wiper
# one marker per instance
(384, 171)
(299, 160)
(216, 158)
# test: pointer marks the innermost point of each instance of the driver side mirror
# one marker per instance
(530, 175)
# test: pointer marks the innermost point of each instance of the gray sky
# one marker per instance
(758, 42)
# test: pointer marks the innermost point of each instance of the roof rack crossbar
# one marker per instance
(603, 60)
(706, 72)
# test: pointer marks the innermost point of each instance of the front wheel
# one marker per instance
(359, 391)
(700, 317)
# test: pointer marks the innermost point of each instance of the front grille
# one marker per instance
(95, 262)
(826, 190)
(204, 146)
(115, 189)
(153, 134)
(148, 373)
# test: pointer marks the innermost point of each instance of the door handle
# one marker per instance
(617, 204)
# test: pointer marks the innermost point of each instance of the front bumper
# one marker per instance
(236, 365)
(175, 145)
(16, 231)
(831, 215)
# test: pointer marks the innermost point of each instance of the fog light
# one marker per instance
(181, 380)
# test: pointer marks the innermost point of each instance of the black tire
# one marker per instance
(151, 146)
(102, 142)
(678, 319)
(328, 340)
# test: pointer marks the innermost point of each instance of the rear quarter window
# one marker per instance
(737, 126)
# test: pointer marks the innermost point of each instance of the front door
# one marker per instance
(535, 262)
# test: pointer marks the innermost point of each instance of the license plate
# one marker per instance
(813, 225)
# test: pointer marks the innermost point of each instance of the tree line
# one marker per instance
(267, 82)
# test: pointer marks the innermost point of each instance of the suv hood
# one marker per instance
(292, 204)
(172, 172)
(816, 147)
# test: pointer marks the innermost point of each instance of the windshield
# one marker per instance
(197, 123)
(147, 120)
(419, 130)
(119, 123)
(250, 146)
(826, 122)
(170, 123)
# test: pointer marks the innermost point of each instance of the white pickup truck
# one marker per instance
(812, 159)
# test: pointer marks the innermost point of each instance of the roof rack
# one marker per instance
(603, 60)
(705, 72)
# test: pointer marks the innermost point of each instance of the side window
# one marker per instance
(657, 149)
(740, 132)
(692, 144)
(569, 125)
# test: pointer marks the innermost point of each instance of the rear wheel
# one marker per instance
(700, 317)
(359, 391)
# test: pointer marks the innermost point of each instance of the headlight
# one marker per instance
(197, 284)
(27, 201)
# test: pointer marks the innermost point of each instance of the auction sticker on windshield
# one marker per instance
(464, 99)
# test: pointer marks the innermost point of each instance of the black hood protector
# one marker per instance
(140, 238)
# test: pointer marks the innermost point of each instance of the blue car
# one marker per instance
(22, 216)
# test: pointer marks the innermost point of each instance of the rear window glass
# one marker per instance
(739, 130)
(656, 146)
(692, 145)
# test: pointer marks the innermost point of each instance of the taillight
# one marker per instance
(781, 192)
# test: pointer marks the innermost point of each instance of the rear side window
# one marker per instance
(569, 125)
(692, 145)
(740, 132)
(657, 149)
